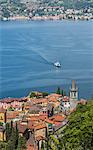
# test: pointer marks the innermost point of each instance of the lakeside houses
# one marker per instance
(39, 116)
(61, 16)
(45, 10)
(40, 12)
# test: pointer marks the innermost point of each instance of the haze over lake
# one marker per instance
(28, 50)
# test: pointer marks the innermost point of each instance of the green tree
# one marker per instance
(17, 135)
(10, 109)
(8, 131)
(3, 145)
(21, 143)
(62, 92)
(1, 124)
(6, 13)
(78, 135)
(44, 94)
(32, 94)
(42, 146)
(58, 90)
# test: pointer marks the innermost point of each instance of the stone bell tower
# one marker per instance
(74, 91)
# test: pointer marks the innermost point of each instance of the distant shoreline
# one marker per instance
(45, 18)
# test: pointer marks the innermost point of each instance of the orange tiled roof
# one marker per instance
(33, 118)
(42, 117)
(49, 121)
(54, 95)
(10, 100)
(39, 126)
(39, 100)
(52, 99)
(57, 118)
(12, 114)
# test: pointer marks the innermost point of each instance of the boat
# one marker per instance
(57, 64)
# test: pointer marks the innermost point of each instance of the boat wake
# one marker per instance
(40, 58)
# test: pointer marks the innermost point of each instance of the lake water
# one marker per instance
(28, 50)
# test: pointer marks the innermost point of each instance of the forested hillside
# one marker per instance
(78, 134)
(76, 4)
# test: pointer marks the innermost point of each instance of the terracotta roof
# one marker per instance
(42, 117)
(39, 126)
(12, 114)
(54, 95)
(57, 118)
(65, 99)
(39, 100)
(49, 121)
(52, 99)
(10, 100)
(33, 118)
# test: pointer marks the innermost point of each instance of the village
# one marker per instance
(39, 115)
(39, 10)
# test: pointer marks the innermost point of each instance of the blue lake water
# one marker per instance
(28, 50)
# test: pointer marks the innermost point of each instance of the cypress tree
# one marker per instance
(8, 131)
(58, 90)
(62, 92)
(17, 135)
(22, 143)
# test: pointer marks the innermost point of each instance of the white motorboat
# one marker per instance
(57, 64)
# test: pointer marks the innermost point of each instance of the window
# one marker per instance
(1, 118)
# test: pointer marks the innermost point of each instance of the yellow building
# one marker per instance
(2, 134)
(2, 115)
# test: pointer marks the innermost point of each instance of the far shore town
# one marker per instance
(44, 13)
(39, 114)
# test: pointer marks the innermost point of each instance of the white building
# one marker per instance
(74, 91)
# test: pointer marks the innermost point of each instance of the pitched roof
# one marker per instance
(66, 99)
(39, 100)
(54, 95)
(57, 118)
(12, 114)
(49, 121)
(40, 126)
(10, 100)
